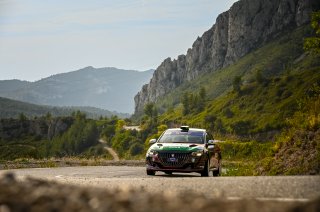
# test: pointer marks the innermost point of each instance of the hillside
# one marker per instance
(107, 88)
(11, 85)
(269, 118)
(268, 96)
(246, 27)
(273, 74)
(12, 109)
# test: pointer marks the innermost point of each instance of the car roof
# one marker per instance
(190, 129)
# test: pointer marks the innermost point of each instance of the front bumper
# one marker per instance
(187, 164)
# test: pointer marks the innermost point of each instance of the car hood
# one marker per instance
(180, 147)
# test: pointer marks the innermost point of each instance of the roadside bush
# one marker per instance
(242, 127)
(233, 150)
(136, 149)
(228, 113)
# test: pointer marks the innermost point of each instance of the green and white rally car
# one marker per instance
(184, 150)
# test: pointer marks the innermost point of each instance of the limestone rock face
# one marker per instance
(247, 25)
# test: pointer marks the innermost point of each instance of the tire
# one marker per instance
(205, 172)
(216, 173)
(150, 172)
(168, 172)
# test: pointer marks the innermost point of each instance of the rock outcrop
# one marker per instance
(248, 25)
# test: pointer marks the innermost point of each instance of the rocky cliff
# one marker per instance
(248, 25)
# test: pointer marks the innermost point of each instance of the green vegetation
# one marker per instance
(193, 102)
(237, 83)
(26, 148)
(297, 149)
(256, 103)
(82, 135)
(76, 136)
(239, 158)
(312, 44)
(126, 142)
(46, 137)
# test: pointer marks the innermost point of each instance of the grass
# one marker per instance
(238, 168)
(241, 158)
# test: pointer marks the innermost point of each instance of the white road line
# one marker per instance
(59, 176)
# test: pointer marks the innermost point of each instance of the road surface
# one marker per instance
(280, 188)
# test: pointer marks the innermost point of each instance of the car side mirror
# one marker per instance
(153, 141)
(211, 142)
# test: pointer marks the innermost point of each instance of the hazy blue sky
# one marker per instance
(39, 38)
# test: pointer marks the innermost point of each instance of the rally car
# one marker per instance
(184, 150)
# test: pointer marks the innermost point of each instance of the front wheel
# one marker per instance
(206, 171)
(216, 173)
(150, 172)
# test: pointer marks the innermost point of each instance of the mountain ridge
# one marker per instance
(13, 109)
(237, 32)
(107, 88)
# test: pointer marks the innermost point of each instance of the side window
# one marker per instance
(208, 137)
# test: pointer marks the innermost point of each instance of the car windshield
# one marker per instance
(179, 136)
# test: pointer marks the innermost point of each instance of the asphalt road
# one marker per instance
(280, 188)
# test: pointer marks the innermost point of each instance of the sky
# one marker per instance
(40, 38)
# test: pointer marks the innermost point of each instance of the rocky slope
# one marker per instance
(300, 155)
(248, 25)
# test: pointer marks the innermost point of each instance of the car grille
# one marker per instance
(174, 159)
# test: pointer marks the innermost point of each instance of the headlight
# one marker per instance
(151, 153)
(197, 153)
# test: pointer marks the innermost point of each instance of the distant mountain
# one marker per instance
(12, 109)
(12, 85)
(108, 88)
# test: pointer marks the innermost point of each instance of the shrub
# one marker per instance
(136, 149)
